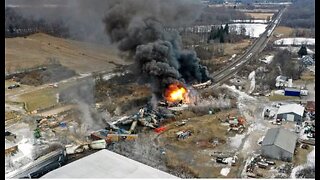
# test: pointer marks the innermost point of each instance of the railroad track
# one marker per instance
(250, 53)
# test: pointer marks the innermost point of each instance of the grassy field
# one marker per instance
(260, 15)
(277, 97)
(34, 50)
(307, 76)
(43, 98)
(236, 48)
(285, 31)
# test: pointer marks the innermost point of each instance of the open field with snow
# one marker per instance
(250, 21)
(295, 49)
(252, 30)
(295, 41)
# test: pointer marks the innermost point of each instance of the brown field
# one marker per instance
(307, 76)
(191, 156)
(286, 31)
(43, 98)
(236, 48)
(301, 156)
(277, 97)
(260, 15)
(34, 50)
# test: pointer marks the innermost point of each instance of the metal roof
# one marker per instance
(106, 164)
(292, 89)
(291, 108)
(281, 138)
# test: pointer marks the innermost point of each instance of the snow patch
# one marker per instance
(241, 95)
(251, 77)
(295, 41)
(250, 21)
(225, 171)
(252, 30)
(267, 59)
(236, 140)
(26, 147)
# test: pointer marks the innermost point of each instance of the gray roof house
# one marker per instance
(279, 144)
(291, 112)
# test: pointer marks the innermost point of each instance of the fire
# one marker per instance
(176, 93)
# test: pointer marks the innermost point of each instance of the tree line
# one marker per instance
(16, 25)
(301, 14)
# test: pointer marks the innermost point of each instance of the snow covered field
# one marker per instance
(295, 49)
(252, 30)
(251, 21)
(295, 41)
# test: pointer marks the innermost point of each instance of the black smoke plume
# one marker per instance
(137, 27)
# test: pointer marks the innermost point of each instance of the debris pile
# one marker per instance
(236, 124)
(183, 134)
(256, 162)
(227, 160)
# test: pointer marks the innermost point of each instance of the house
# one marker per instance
(307, 60)
(106, 164)
(291, 112)
(279, 144)
(283, 81)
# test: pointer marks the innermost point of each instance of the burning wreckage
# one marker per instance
(125, 128)
(175, 95)
(160, 61)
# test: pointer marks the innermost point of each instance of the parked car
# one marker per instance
(13, 86)
(221, 160)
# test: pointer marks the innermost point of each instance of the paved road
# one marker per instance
(251, 53)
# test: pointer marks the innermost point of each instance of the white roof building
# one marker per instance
(291, 112)
(106, 164)
(291, 108)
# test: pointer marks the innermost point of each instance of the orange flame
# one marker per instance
(176, 93)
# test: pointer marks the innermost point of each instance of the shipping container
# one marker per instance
(291, 92)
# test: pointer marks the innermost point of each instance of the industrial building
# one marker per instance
(291, 112)
(106, 164)
(279, 144)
